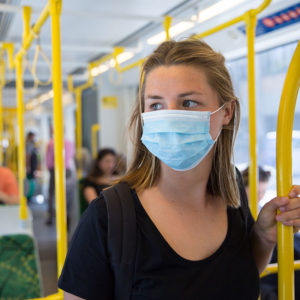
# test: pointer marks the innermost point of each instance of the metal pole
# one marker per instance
(284, 175)
(250, 19)
(60, 193)
(21, 148)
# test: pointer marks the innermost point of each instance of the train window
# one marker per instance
(271, 67)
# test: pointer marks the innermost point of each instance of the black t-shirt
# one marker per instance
(160, 273)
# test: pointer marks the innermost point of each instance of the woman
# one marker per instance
(192, 242)
(101, 175)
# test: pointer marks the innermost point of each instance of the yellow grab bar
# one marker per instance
(284, 174)
(21, 148)
(273, 268)
(60, 192)
(2, 84)
(78, 93)
(250, 19)
(29, 34)
(95, 129)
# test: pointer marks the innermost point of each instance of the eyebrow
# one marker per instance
(182, 95)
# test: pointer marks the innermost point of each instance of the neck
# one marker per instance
(189, 185)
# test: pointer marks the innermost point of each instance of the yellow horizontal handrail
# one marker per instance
(273, 268)
(236, 20)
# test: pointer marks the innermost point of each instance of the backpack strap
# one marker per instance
(244, 207)
(121, 240)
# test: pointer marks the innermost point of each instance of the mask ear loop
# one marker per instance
(215, 140)
(218, 109)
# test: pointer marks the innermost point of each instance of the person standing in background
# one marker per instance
(68, 155)
(31, 156)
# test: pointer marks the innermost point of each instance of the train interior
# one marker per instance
(91, 30)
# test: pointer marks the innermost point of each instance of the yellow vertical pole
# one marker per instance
(21, 148)
(250, 19)
(2, 83)
(95, 129)
(78, 93)
(167, 25)
(284, 175)
(60, 193)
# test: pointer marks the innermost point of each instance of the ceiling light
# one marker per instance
(174, 30)
(217, 9)
(121, 58)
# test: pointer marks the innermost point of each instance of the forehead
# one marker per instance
(176, 77)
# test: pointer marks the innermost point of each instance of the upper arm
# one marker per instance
(89, 194)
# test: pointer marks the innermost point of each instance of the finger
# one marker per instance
(289, 216)
(295, 191)
(275, 203)
(295, 223)
(292, 204)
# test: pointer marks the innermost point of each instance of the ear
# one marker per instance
(229, 110)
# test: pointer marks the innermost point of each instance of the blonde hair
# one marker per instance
(144, 171)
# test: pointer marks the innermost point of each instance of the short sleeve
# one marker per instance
(87, 272)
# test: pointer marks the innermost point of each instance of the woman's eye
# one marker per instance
(189, 103)
(156, 106)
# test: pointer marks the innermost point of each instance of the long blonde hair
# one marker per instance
(144, 170)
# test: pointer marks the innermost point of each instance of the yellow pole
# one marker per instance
(284, 174)
(21, 150)
(60, 193)
(2, 84)
(167, 25)
(250, 19)
(95, 129)
(78, 93)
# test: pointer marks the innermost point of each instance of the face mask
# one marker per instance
(179, 138)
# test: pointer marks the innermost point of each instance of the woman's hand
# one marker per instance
(289, 215)
(264, 233)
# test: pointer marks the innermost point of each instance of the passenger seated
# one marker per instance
(268, 284)
(102, 174)
(8, 187)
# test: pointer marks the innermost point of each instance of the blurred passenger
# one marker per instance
(269, 284)
(102, 174)
(120, 164)
(85, 163)
(31, 155)
(8, 187)
(69, 152)
(263, 180)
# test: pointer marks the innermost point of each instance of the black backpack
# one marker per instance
(121, 240)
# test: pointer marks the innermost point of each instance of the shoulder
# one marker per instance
(6, 174)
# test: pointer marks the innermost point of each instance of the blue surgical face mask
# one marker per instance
(179, 138)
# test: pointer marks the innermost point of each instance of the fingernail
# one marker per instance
(282, 208)
(293, 194)
(278, 217)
